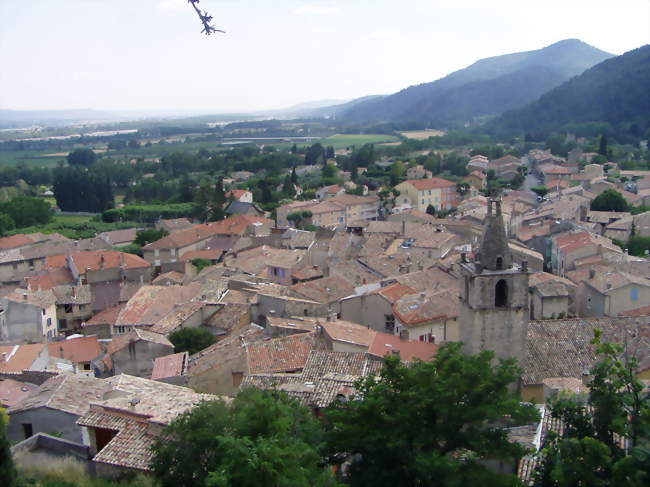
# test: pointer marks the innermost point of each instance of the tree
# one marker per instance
(430, 423)
(77, 189)
(315, 154)
(609, 200)
(294, 176)
(638, 245)
(7, 468)
(82, 157)
(540, 190)
(329, 152)
(144, 237)
(288, 188)
(201, 264)
(431, 210)
(219, 197)
(261, 438)
(602, 145)
(191, 340)
(25, 211)
(589, 451)
(6, 223)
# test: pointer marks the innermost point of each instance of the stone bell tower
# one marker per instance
(494, 294)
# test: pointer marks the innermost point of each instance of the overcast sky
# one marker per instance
(149, 54)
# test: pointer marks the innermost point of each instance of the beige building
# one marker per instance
(420, 193)
(335, 211)
(611, 293)
(28, 316)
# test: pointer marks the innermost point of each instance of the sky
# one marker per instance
(150, 55)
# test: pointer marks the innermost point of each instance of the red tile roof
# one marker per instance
(235, 225)
(109, 259)
(643, 311)
(431, 183)
(208, 254)
(76, 350)
(105, 317)
(13, 241)
(13, 391)
(53, 277)
(395, 291)
(236, 193)
(19, 357)
(286, 354)
(409, 350)
(169, 366)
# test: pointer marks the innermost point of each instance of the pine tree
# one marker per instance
(602, 148)
(294, 176)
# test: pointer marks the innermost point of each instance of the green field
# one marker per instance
(341, 141)
(29, 158)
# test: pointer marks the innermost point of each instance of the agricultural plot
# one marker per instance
(422, 134)
(341, 141)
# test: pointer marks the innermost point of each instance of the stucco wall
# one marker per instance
(137, 358)
(44, 420)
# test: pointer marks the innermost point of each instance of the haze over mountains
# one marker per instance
(616, 92)
(488, 87)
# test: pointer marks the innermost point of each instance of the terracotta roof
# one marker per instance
(604, 282)
(286, 354)
(348, 332)
(76, 350)
(94, 260)
(117, 237)
(19, 357)
(50, 279)
(175, 318)
(352, 199)
(13, 391)
(209, 254)
(169, 366)
(42, 299)
(431, 183)
(176, 224)
(121, 341)
(151, 303)
(324, 290)
(643, 311)
(561, 348)
(394, 292)
(105, 317)
(235, 225)
(71, 393)
(236, 193)
(414, 309)
(174, 276)
(409, 350)
(14, 241)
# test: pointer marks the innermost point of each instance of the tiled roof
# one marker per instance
(346, 331)
(431, 183)
(394, 292)
(174, 276)
(176, 224)
(561, 348)
(42, 299)
(50, 279)
(414, 309)
(177, 317)
(105, 317)
(14, 241)
(117, 237)
(409, 350)
(208, 254)
(16, 358)
(71, 393)
(235, 225)
(94, 260)
(72, 294)
(13, 391)
(151, 303)
(285, 354)
(221, 352)
(605, 282)
(76, 350)
(169, 366)
(121, 341)
(324, 290)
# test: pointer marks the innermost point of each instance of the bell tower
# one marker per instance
(494, 294)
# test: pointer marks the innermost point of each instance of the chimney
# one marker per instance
(592, 273)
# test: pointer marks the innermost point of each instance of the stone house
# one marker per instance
(549, 300)
(328, 291)
(430, 317)
(28, 316)
(121, 428)
(240, 195)
(375, 309)
(329, 192)
(134, 353)
(418, 172)
(611, 293)
(55, 406)
(73, 307)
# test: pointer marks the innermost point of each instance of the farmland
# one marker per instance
(422, 134)
(341, 141)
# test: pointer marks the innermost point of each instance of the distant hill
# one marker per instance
(21, 118)
(488, 87)
(616, 91)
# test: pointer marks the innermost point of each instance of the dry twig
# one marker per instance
(205, 18)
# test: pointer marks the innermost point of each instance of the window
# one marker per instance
(237, 378)
(63, 324)
(501, 294)
(634, 294)
(86, 366)
(67, 308)
(49, 322)
(389, 323)
(28, 431)
(120, 329)
(43, 311)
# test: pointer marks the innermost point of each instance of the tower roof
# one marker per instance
(494, 253)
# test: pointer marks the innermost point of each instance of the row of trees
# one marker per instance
(23, 211)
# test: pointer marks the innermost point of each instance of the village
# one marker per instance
(315, 299)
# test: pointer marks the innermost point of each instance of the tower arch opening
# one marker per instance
(501, 294)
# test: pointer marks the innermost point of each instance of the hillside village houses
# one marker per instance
(309, 305)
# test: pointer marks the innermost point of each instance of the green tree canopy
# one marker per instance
(26, 211)
(149, 235)
(7, 468)
(82, 157)
(191, 340)
(263, 438)
(430, 423)
(609, 200)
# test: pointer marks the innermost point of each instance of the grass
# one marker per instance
(29, 158)
(75, 227)
(341, 141)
